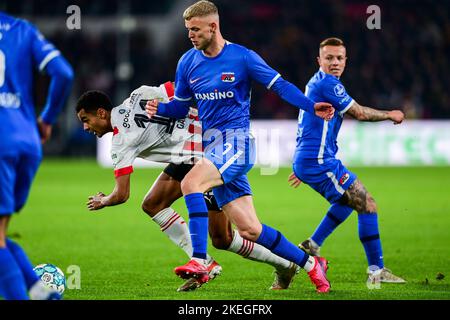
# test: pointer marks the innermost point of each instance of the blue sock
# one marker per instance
(278, 244)
(370, 238)
(24, 263)
(12, 283)
(198, 224)
(334, 217)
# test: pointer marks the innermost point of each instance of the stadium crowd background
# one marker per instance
(404, 65)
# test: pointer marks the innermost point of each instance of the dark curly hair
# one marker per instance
(92, 100)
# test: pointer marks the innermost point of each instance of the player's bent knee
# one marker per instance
(250, 234)
(188, 186)
(152, 207)
(221, 242)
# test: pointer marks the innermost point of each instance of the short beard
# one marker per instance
(205, 45)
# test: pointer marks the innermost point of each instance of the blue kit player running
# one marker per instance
(22, 50)
(315, 162)
(217, 75)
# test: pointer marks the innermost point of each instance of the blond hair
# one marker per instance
(201, 8)
(334, 42)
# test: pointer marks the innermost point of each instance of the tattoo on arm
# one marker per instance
(362, 113)
(357, 197)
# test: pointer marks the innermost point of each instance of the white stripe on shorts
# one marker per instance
(230, 161)
(335, 182)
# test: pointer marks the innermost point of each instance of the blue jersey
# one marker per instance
(317, 138)
(22, 50)
(221, 85)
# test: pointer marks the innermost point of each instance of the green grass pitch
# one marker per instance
(123, 255)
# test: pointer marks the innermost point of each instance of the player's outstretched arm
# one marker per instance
(362, 113)
(119, 195)
(294, 96)
(151, 108)
(174, 109)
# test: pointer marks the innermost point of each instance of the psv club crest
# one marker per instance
(227, 77)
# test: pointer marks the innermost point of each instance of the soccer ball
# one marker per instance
(52, 276)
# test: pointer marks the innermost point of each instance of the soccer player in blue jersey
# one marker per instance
(22, 50)
(315, 162)
(217, 75)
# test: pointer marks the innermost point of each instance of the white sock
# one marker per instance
(39, 291)
(310, 263)
(253, 251)
(176, 228)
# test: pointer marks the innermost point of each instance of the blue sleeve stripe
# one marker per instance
(182, 99)
(347, 107)
(273, 81)
(47, 59)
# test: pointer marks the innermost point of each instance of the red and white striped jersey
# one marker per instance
(159, 139)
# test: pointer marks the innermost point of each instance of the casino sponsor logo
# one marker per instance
(339, 90)
(216, 95)
(344, 179)
(227, 77)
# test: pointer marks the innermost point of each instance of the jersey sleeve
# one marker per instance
(334, 92)
(43, 51)
(182, 90)
(163, 93)
(122, 155)
(259, 70)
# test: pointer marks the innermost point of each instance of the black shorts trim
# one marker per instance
(179, 171)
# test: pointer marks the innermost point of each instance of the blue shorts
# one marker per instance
(331, 179)
(234, 155)
(17, 171)
(233, 190)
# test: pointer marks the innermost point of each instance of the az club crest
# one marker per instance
(227, 77)
(344, 179)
